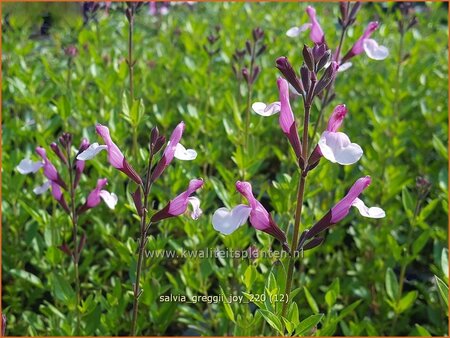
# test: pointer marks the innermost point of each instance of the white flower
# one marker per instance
(27, 166)
(337, 148)
(263, 109)
(375, 51)
(91, 151)
(184, 154)
(227, 221)
(372, 212)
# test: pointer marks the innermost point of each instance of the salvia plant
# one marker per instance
(317, 73)
(141, 196)
(64, 188)
(318, 138)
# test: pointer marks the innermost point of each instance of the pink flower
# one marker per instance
(49, 169)
(227, 221)
(316, 34)
(179, 204)
(342, 208)
(286, 120)
(370, 46)
(169, 151)
(98, 194)
(333, 145)
(115, 156)
(59, 197)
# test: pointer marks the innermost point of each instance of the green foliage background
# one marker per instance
(352, 279)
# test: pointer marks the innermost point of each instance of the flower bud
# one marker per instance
(248, 46)
(324, 60)
(286, 69)
(245, 74)
(256, 72)
(261, 50)
(308, 58)
(58, 152)
(305, 77)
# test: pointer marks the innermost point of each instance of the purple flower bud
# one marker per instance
(58, 152)
(245, 74)
(328, 76)
(248, 47)
(283, 65)
(137, 199)
(308, 58)
(256, 71)
(71, 51)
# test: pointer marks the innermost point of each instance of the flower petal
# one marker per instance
(372, 212)
(263, 109)
(227, 221)
(109, 198)
(295, 31)
(196, 211)
(184, 154)
(42, 188)
(91, 151)
(27, 166)
(343, 67)
(336, 147)
(375, 51)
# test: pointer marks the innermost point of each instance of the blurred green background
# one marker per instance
(352, 278)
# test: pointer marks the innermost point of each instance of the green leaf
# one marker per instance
(26, 276)
(228, 309)
(391, 285)
(444, 261)
(330, 298)
(443, 289)
(440, 147)
(293, 314)
(250, 276)
(423, 332)
(408, 203)
(308, 324)
(420, 242)
(312, 303)
(407, 301)
(272, 320)
(349, 309)
(289, 326)
(63, 291)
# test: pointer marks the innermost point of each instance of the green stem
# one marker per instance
(76, 256)
(248, 106)
(300, 197)
(131, 62)
(142, 242)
